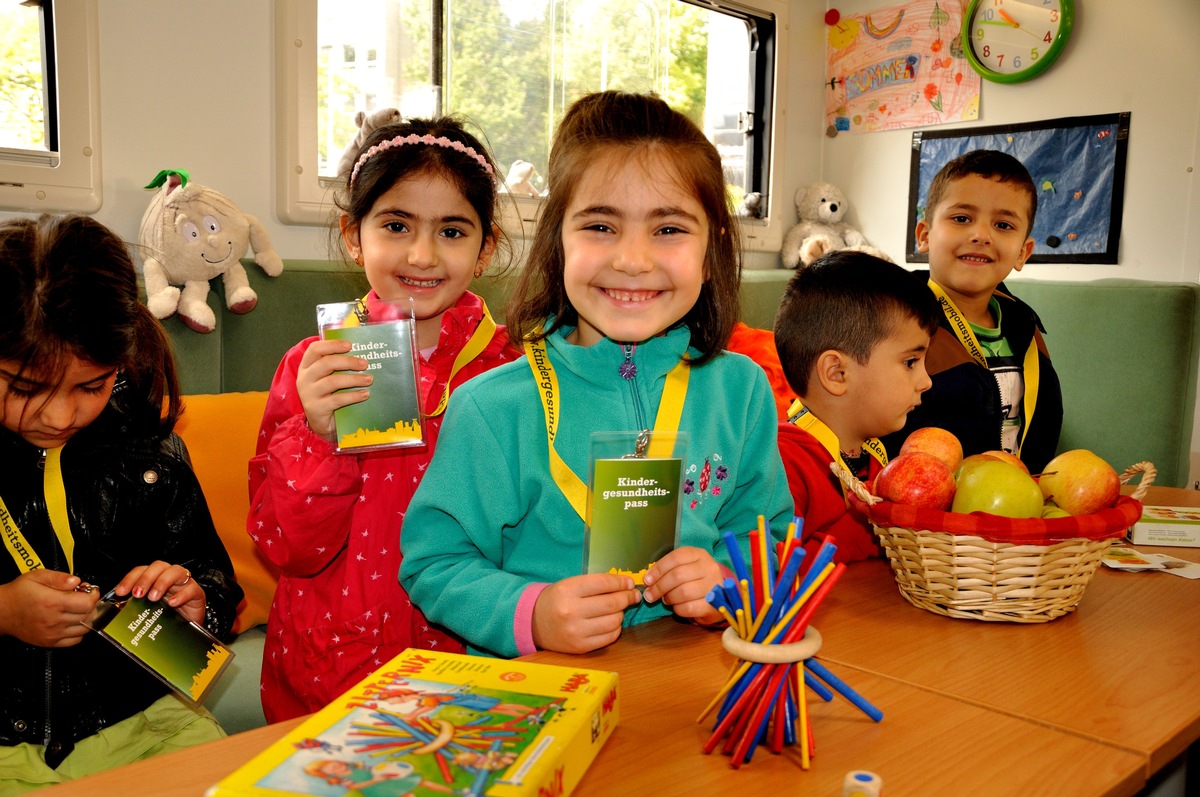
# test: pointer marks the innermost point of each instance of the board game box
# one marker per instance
(433, 723)
(1167, 525)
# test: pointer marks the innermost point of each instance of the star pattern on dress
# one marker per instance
(343, 519)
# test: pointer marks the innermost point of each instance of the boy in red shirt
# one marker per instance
(852, 332)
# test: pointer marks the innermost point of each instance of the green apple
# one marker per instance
(1053, 510)
(998, 488)
(1080, 482)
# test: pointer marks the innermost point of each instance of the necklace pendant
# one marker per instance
(627, 369)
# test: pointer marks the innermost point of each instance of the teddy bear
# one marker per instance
(366, 123)
(820, 208)
(191, 234)
(519, 181)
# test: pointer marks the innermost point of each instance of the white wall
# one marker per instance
(186, 85)
(194, 90)
(1099, 72)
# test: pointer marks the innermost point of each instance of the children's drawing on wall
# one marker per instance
(897, 67)
(1078, 168)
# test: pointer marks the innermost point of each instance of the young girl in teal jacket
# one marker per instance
(632, 282)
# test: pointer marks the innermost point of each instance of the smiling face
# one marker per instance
(889, 385)
(46, 414)
(207, 235)
(975, 237)
(421, 240)
(634, 243)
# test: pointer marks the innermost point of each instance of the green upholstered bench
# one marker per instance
(1126, 353)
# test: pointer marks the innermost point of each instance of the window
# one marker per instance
(49, 111)
(512, 67)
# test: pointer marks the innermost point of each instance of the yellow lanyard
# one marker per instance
(966, 336)
(56, 506)
(670, 409)
(803, 418)
(478, 341)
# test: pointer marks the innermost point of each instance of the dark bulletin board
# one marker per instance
(1078, 169)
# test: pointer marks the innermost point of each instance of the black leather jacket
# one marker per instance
(130, 501)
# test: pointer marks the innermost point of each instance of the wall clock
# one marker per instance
(1008, 41)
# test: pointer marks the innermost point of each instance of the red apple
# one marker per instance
(1080, 482)
(1004, 456)
(998, 488)
(916, 478)
(932, 440)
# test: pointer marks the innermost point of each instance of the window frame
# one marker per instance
(75, 183)
(304, 197)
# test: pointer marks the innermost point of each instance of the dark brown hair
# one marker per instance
(387, 167)
(849, 302)
(68, 288)
(989, 163)
(637, 125)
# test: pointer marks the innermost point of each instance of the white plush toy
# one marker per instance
(366, 123)
(519, 181)
(191, 234)
(820, 208)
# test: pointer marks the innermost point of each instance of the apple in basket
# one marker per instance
(998, 488)
(995, 456)
(933, 440)
(1080, 482)
(916, 478)
(1004, 456)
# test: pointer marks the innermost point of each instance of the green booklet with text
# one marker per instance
(633, 501)
(178, 652)
(384, 334)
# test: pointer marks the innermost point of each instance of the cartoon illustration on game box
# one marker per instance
(408, 736)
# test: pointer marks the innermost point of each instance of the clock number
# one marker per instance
(987, 51)
(1054, 15)
(1033, 54)
(1000, 61)
(1047, 38)
(1016, 62)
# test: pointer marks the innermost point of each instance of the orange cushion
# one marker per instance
(220, 432)
(759, 345)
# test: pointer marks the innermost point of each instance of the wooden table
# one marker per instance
(927, 743)
(1123, 668)
(1088, 704)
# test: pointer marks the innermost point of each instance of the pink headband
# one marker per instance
(413, 138)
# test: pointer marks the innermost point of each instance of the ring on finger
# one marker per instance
(187, 579)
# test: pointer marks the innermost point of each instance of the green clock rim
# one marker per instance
(1041, 65)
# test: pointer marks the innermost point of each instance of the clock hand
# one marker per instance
(1007, 18)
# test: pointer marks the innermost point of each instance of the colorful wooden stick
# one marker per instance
(763, 700)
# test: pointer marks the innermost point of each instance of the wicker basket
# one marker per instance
(984, 567)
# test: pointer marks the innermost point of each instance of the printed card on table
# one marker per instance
(633, 501)
(384, 334)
